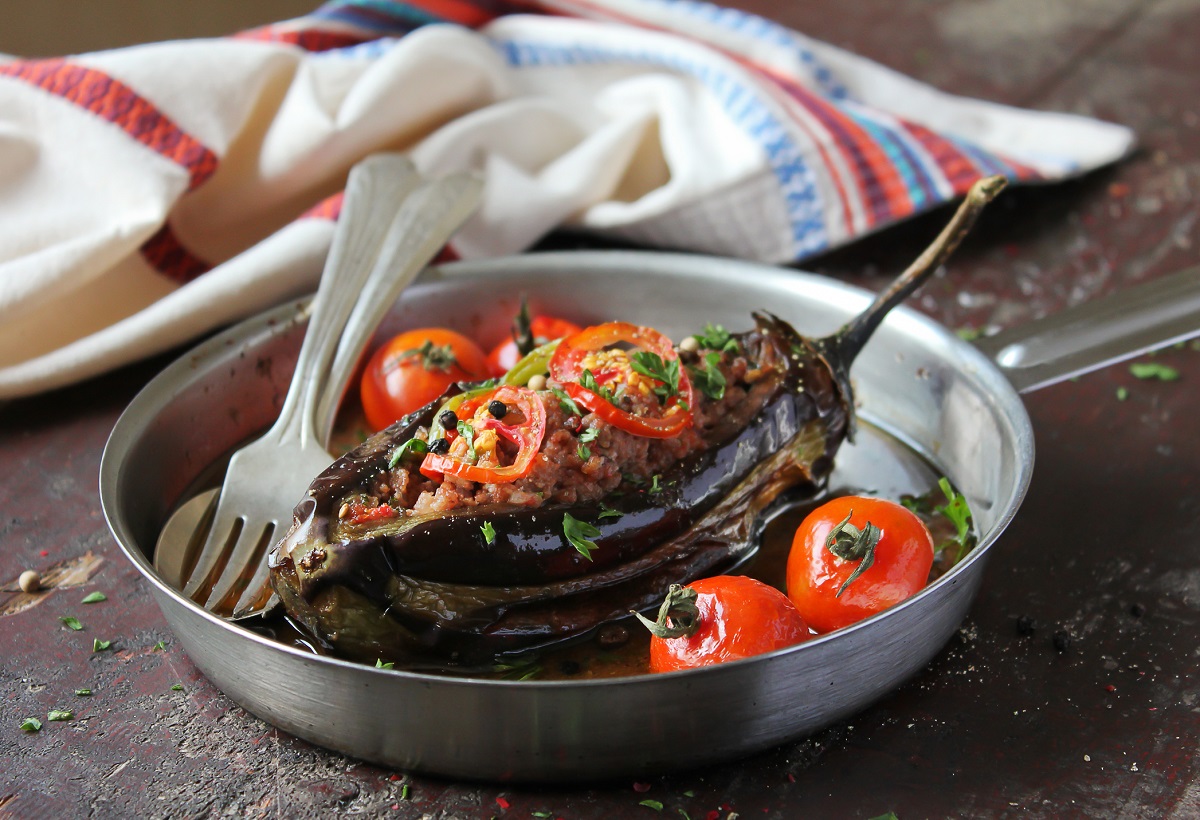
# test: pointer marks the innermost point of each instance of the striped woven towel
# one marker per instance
(152, 193)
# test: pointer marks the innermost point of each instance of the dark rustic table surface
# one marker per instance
(1090, 711)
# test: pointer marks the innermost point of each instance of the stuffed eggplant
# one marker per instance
(599, 472)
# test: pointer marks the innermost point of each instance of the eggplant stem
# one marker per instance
(845, 345)
(842, 348)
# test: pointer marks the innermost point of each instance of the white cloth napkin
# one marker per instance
(150, 194)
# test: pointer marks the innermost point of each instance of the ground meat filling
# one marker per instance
(575, 464)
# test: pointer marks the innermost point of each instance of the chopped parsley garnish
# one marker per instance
(31, 725)
(609, 512)
(652, 365)
(414, 446)
(1154, 370)
(969, 334)
(158, 647)
(1122, 394)
(588, 382)
(59, 714)
(959, 514)
(468, 433)
(177, 687)
(71, 622)
(489, 532)
(651, 804)
(404, 791)
(94, 598)
(84, 693)
(710, 379)
(588, 435)
(716, 337)
(579, 534)
(379, 664)
(655, 487)
(99, 645)
(566, 402)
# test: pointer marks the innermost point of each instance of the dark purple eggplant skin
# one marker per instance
(436, 593)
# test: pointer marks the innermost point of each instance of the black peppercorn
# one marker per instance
(448, 420)
(439, 446)
(497, 408)
(1137, 610)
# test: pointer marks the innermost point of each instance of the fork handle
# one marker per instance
(374, 192)
(434, 211)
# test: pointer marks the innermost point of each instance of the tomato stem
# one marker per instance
(849, 543)
(678, 616)
(433, 357)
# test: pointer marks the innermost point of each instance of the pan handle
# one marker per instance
(1097, 333)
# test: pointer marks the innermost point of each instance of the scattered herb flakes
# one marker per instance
(652, 365)
(158, 647)
(1154, 370)
(380, 664)
(100, 646)
(715, 337)
(71, 622)
(566, 402)
(655, 486)
(588, 382)
(31, 725)
(519, 670)
(404, 791)
(689, 793)
(94, 598)
(59, 714)
(709, 379)
(84, 693)
(609, 512)
(684, 814)
(586, 437)
(489, 532)
(541, 814)
(891, 815)
(969, 334)
(177, 687)
(579, 534)
(414, 446)
(468, 433)
(959, 514)
(651, 804)
(1122, 394)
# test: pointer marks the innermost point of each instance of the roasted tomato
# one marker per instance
(720, 619)
(495, 437)
(544, 329)
(413, 369)
(856, 556)
(627, 375)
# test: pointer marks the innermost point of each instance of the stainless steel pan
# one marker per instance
(945, 401)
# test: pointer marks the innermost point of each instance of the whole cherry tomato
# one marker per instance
(720, 619)
(413, 369)
(544, 329)
(854, 557)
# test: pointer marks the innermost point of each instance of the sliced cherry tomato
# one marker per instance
(544, 329)
(840, 570)
(720, 619)
(479, 457)
(413, 369)
(595, 373)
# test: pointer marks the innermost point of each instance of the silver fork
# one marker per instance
(391, 225)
